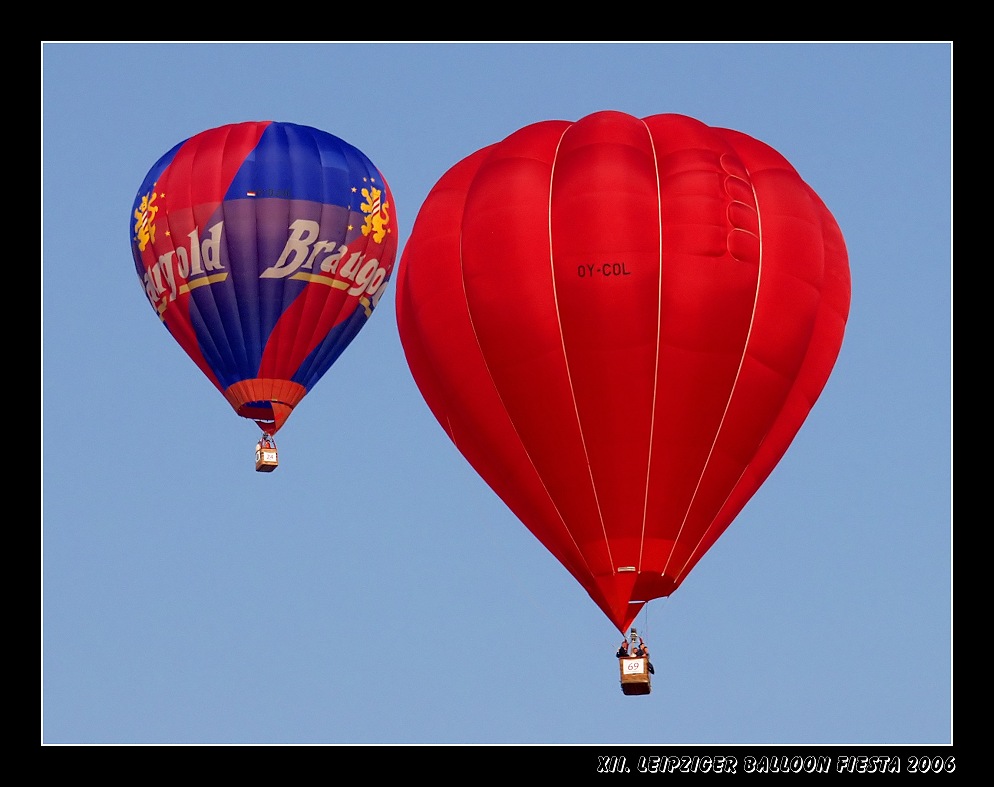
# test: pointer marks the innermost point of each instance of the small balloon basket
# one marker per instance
(266, 456)
(635, 676)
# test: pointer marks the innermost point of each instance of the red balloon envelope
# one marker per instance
(263, 247)
(622, 323)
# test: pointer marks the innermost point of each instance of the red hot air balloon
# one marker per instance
(622, 323)
(264, 247)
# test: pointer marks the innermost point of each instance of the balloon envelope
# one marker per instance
(622, 323)
(263, 247)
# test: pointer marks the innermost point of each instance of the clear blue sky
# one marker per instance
(373, 590)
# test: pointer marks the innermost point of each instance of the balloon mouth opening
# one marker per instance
(622, 594)
(267, 401)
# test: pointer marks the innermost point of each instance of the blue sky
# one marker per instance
(373, 590)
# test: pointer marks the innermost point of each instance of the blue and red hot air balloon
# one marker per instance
(622, 323)
(264, 247)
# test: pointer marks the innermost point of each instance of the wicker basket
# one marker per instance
(635, 675)
(266, 458)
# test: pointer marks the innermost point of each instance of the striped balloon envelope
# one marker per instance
(264, 247)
